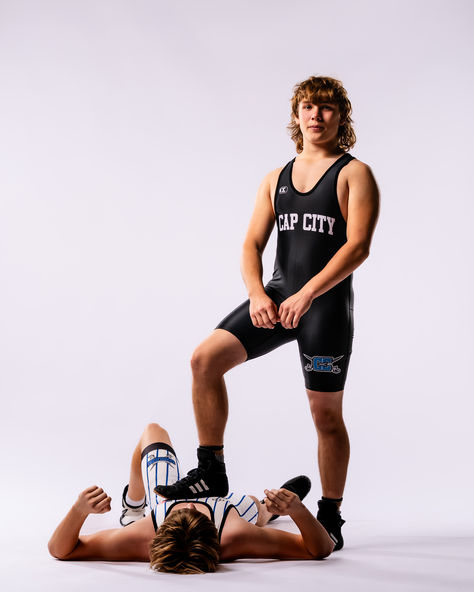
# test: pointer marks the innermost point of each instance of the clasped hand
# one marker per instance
(281, 501)
(265, 314)
(93, 500)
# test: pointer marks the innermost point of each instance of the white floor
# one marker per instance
(415, 560)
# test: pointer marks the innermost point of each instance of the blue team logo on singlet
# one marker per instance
(322, 364)
(283, 189)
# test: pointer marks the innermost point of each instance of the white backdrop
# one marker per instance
(133, 138)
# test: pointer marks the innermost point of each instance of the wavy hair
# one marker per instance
(186, 542)
(319, 89)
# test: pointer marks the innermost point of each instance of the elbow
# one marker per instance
(322, 554)
(251, 247)
(361, 251)
(54, 552)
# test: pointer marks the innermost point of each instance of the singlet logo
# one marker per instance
(283, 189)
(311, 222)
(322, 364)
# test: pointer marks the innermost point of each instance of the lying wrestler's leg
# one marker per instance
(138, 493)
(151, 434)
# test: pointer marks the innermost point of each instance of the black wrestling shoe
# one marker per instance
(330, 517)
(299, 485)
(208, 480)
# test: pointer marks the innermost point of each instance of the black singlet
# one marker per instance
(311, 229)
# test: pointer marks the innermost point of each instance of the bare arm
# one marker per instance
(119, 544)
(363, 209)
(263, 311)
(248, 540)
(314, 536)
(92, 500)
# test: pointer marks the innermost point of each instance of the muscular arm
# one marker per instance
(246, 540)
(120, 544)
(117, 544)
(259, 230)
(362, 214)
(263, 311)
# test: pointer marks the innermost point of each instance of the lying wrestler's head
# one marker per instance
(317, 90)
(186, 542)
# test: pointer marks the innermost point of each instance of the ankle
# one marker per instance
(213, 452)
(133, 503)
(211, 458)
(331, 503)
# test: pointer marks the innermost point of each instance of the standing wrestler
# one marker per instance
(325, 204)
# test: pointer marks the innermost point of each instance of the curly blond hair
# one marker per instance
(318, 89)
(186, 542)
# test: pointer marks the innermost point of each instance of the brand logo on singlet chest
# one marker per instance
(283, 189)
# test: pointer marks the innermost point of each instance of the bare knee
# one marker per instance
(326, 410)
(328, 421)
(217, 354)
(155, 433)
(205, 362)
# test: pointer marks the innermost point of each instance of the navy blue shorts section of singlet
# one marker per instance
(324, 335)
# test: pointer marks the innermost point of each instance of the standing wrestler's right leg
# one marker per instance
(235, 340)
(220, 352)
(217, 354)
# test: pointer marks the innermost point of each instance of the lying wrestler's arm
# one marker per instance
(244, 540)
(117, 544)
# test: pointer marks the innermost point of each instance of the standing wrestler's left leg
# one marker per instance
(333, 441)
(333, 457)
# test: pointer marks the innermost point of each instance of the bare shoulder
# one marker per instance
(273, 175)
(357, 168)
(272, 181)
(234, 528)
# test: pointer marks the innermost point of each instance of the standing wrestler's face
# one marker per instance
(319, 121)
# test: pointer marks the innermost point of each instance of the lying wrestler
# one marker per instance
(183, 536)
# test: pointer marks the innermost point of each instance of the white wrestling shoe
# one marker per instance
(131, 514)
